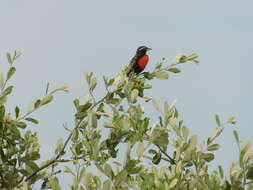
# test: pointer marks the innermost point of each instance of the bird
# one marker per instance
(139, 61)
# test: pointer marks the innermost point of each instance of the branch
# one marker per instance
(56, 159)
(172, 161)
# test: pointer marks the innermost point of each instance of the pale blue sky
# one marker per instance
(61, 39)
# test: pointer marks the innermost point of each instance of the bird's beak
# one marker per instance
(149, 49)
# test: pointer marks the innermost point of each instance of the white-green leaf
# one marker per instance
(248, 154)
(107, 185)
(47, 99)
(173, 183)
(215, 134)
(87, 178)
(246, 145)
(140, 150)
(185, 131)
(134, 95)
(192, 143)
(156, 105)
(93, 83)
(162, 75)
(176, 58)
(64, 88)
(159, 136)
(232, 120)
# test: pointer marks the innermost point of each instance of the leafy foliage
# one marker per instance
(113, 126)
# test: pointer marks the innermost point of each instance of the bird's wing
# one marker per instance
(132, 64)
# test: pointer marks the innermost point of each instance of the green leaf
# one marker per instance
(221, 172)
(68, 170)
(107, 185)
(2, 112)
(152, 151)
(192, 57)
(32, 165)
(37, 103)
(108, 171)
(157, 158)
(76, 103)
(236, 137)
(7, 91)
(207, 156)
(94, 122)
(54, 184)
(32, 120)
(249, 174)
(47, 99)
(9, 58)
(2, 80)
(21, 124)
(176, 58)
(3, 100)
(111, 81)
(217, 119)
(213, 147)
(174, 70)
(120, 178)
(11, 71)
(84, 107)
(162, 75)
(17, 111)
(183, 59)
(60, 145)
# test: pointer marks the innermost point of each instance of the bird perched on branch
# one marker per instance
(139, 61)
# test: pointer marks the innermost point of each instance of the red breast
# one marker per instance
(143, 61)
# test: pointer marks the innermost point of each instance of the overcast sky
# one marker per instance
(61, 39)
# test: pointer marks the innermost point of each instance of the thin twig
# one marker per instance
(47, 89)
(168, 156)
(92, 96)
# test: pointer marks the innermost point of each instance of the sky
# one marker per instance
(62, 39)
